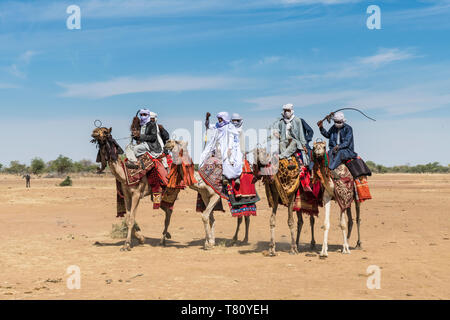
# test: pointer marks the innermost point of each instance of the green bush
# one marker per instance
(66, 183)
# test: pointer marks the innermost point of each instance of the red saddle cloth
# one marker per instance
(246, 188)
(157, 180)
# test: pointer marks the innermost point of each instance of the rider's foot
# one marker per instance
(131, 165)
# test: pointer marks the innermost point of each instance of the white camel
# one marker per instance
(319, 151)
(209, 196)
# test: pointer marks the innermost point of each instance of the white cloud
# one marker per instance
(27, 56)
(7, 86)
(166, 83)
(385, 56)
(407, 100)
(14, 70)
(269, 60)
(144, 8)
(362, 65)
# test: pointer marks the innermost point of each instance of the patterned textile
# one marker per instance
(362, 189)
(287, 180)
(135, 175)
(120, 199)
(181, 176)
(211, 173)
(343, 187)
(200, 206)
(243, 210)
(308, 202)
(157, 180)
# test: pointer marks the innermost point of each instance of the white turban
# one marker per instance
(236, 116)
(339, 116)
(288, 106)
(153, 115)
(224, 115)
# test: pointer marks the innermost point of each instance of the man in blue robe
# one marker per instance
(340, 142)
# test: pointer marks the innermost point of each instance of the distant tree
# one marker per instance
(61, 165)
(15, 167)
(37, 166)
(1, 167)
(84, 166)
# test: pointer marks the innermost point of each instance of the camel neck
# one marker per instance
(117, 170)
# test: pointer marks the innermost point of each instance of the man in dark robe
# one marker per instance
(340, 142)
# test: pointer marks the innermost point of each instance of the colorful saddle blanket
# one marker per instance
(133, 176)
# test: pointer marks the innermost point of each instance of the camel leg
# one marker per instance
(209, 242)
(349, 222)
(272, 251)
(312, 220)
(235, 238)
(166, 234)
(138, 235)
(131, 218)
(326, 225)
(247, 226)
(299, 228)
(212, 224)
(358, 224)
(345, 247)
(292, 227)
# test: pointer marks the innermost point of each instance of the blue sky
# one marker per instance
(182, 58)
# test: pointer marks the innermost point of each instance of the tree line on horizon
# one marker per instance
(60, 165)
(432, 167)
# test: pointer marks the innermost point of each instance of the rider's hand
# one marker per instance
(136, 134)
(335, 149)
(320, 124)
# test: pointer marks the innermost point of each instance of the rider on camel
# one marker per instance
(340, 143)
(151, 138)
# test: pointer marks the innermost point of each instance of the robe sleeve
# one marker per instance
(325, 133)
(346, 138)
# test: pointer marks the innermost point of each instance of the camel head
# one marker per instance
(264, 163)
(100, 135)
(319, 149)
(109, 149)
(179, 150)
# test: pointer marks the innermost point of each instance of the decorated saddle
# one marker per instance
(241, 197)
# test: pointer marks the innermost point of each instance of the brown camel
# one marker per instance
(264, 160)
(209, 196)
(109, 152)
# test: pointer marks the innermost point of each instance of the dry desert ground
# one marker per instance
(46, 229)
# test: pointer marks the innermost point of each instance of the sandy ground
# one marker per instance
(46, 229)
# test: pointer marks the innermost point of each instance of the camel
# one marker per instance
(263, 159)
(319, 150)
(209, 197)
(109, 152)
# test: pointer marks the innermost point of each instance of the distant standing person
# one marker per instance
(28, 180)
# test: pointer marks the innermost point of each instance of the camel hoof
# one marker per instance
(293, 251)
(323, 256)
(245, 241)
(313, 246)
(125, 248)
(358, 246)
(233, 242)
(163, 242)
(168, 236)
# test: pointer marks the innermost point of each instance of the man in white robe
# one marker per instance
(225, 145)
